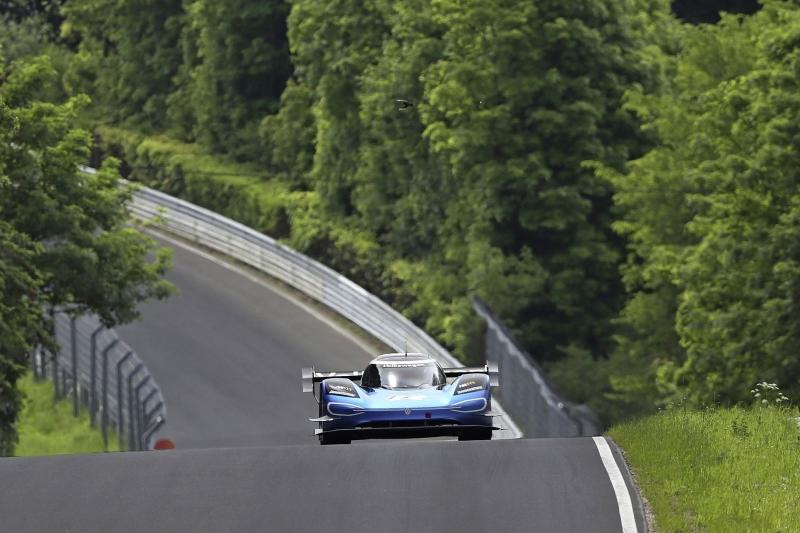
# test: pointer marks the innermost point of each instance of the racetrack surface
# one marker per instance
(542, 485)
(227, 354)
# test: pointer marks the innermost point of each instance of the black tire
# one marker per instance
(332, 439)
(476, 434)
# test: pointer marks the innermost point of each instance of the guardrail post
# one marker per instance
(104, 414)
(120, 421)
(139, 411)
(151, 430)
(56, 396)
(156, 407)
(63, 382)
(74, 347)
(33, 361)
(146, 417)
(131, 442)
(43, 361)
(93, 375)
(52, 314)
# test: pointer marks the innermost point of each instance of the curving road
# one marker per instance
(227, 353)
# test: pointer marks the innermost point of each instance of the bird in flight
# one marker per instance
(403, 104)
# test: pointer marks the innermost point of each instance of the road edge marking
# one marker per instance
(624, 503)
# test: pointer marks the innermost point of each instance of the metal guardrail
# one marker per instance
(101, 373)
(314, 279)
(526, 394)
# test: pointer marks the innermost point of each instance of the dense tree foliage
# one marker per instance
(210, 70)
(128, 53)
(20, 323)
(46, 11)
(618, 185)
(481, 179)
(711, 214)
(243, 65)
(63, 235)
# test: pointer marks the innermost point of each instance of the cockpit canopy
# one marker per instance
(403, 373)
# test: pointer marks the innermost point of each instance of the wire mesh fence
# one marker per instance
(526, 394)
(101, 374)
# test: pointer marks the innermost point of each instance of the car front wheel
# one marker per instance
(326, 439)
(476, 434)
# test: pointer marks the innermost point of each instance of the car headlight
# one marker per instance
(344, 409)
(472, 383)
(341, 388)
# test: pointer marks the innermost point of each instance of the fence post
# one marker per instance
(74, 347)
(120, 421)
(131, 442)
(52, 313)
(43, 362)
(33, 361)
(147, 416)
(151, 430)
(104, 414)
(93, 376)
(56, 395)
(139, 411)
(63, 382)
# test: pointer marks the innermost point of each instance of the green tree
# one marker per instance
(711, 214)
(65, 239)
(521, 97)
(243, 65)
(481, 185)
(288, 136)
(128, 55)
(47, 12)
(20, 323)
(331, 45)
(400, 187)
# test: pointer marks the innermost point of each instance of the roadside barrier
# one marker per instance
(99, 372)
(526, 394)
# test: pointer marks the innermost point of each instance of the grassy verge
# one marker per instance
(47, 428)
(719, 469)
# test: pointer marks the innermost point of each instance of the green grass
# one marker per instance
(47, 428)
(719, 469)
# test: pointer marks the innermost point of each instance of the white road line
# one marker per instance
(620, 488)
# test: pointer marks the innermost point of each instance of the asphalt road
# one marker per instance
(542, 485)
(227, 353)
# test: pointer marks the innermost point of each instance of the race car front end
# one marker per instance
(461, 409)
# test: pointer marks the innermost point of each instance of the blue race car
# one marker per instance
(403, 395)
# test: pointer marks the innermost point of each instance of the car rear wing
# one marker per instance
(311, 376)
(490, 369)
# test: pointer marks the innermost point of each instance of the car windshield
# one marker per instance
(413, 374)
